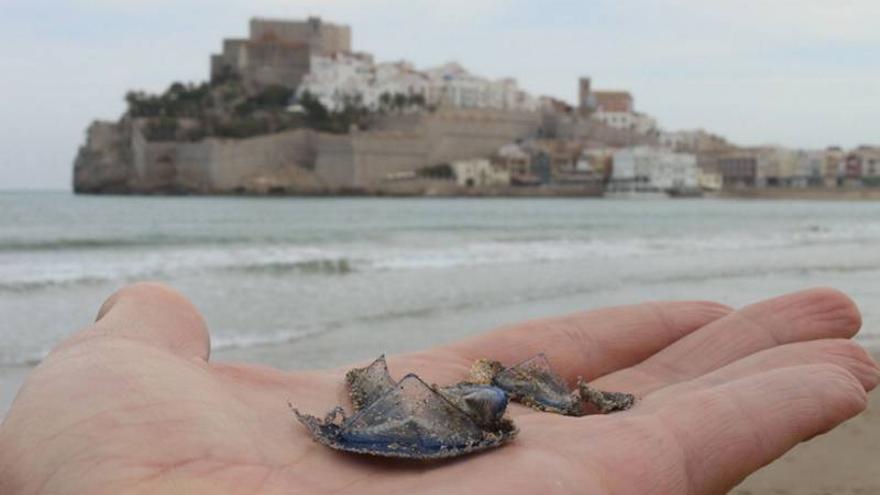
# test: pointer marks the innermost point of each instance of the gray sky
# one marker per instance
(803, 73)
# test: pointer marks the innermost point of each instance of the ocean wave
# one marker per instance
(169, 263)
(41, 272)
(338, 266)
(227, 340)
(750, 271)
(222, 342)
(15, 286)
(159, 240)
(245, 341)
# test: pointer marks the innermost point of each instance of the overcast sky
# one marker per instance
(802, 73)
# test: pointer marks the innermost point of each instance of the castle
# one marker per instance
(279, 52)
(459, 116)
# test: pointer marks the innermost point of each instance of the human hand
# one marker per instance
(132, 404)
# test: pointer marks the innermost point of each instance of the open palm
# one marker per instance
(132, 404)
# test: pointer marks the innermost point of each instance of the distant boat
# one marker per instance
(685, 192)
(633, 194)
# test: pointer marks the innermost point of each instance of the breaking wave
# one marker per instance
(41, 270)
(245, 340)
(330, 266)
(87, 243)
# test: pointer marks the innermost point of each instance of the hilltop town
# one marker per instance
(293, 109)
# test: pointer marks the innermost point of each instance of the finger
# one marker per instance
(730, 431)
(588, 344)
(841, 352)
(801, 316)
(154, 314)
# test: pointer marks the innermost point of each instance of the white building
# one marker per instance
(354, 77)
(338, 77)
(514, 158)
(645, 168)
(809, 168)
(631, 121)
(710, 181)
(452, 85)
(480, 172)
(344, 76)
(683, 140)
(396, 78)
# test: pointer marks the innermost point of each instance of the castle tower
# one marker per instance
(586, 101)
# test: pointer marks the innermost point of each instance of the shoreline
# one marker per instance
(403, 191)
(801, 194)
(588, 192)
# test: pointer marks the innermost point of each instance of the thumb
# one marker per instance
(157, 315)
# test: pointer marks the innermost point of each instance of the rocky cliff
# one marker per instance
(104, 163)
(117, 159)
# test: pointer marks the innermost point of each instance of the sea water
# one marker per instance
(310, 282)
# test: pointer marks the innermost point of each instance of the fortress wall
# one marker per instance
(334, 165)
(365, 160)
(408, 122)
(138, 149)
(378, 155)
(228, 58)
(192, 163)
(610, 136)
(217, 165)
(286, 160)
(338, 40)
(233, 163)
(475, 133)
(325, 37)
(269, 64)
(289, 31)
(571, 127)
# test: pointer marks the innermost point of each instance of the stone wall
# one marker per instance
(455, 135)
(364, 161)
(323, 37)
(119, 157)
(229, 60)
(604, 135)
(334, 165)
(272, 63)
(234, 163)
(377, 156)
(590, 131)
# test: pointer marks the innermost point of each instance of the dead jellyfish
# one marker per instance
(412, 419)
(534, 383)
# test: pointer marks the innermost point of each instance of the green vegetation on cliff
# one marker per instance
(225, 109)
